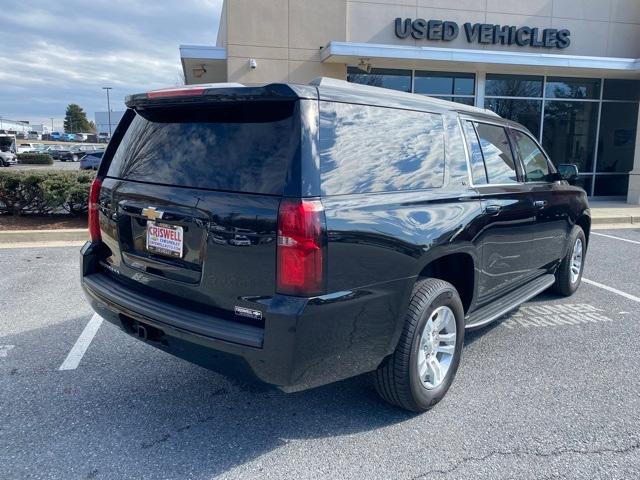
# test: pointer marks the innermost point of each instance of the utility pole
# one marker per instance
(108, 108)
(51, 123)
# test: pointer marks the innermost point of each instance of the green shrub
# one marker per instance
(40, 192)
(35, 159)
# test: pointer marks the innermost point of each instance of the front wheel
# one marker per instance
(420, 371)
(569, 273)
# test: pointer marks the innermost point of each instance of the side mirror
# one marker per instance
(568, 172)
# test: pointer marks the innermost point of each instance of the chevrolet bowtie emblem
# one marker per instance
(152, 213)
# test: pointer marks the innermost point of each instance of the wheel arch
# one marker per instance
(459, 269)
(584, 222)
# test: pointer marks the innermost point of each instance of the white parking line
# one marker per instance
(84, 340)
(611, 289)
(616, 238)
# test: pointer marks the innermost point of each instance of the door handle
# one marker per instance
(540, 203)
(492, 209)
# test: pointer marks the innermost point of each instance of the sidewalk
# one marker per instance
(614, 214)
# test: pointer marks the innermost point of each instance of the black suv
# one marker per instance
(304, 234)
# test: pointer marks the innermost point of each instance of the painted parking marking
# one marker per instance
(82, 344)
(555, 315)
(612, 290)
(616, 238)
(4, 350)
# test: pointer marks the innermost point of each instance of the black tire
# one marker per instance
(397, 379)
(566, 284)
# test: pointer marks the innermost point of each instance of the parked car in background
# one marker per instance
(33, 135)
(75, 153)
(68, 137)
(7, 157)
(30, 147)
(396, 223)
(82, 137)
(55, 136)
(91, 161)
(103, 137)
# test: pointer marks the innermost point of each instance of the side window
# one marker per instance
(478, 172)
(365, 149)
(536, 167)
(496, 150)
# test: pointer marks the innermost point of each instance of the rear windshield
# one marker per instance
(241, 148)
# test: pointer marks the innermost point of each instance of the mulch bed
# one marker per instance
(51, 222)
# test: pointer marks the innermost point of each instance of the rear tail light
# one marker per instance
(301, 247)
(94, 219)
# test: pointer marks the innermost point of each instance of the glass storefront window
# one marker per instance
(585, 182)
(611, 185)
(616, 145)
(578, 88)
(381, 77)
(526, 112)
(621, 90)
(569, 132)
(498, 85)
(445, 83)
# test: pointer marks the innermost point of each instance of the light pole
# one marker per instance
(108, 108)
(0, 123)
(51, 123)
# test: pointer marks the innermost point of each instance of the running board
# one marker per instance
(495, 310)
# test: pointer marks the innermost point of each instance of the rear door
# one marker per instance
(190, 201)
(509, 219)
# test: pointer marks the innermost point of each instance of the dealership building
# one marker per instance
(569, 70)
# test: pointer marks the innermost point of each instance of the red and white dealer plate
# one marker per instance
(165, 239)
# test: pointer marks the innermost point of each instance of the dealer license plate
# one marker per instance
(164, 239)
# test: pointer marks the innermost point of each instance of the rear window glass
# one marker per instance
(367, 149)
(242, 148)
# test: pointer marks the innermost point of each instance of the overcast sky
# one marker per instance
(53, 53)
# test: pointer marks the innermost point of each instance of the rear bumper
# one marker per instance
(304, 343)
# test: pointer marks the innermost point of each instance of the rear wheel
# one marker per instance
(422, 368)
(569, 273)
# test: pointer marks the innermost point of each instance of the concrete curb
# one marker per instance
(42, 236)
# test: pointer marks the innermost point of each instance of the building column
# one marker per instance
(480, 82)
(633, 195)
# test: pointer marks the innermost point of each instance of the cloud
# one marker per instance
(56, 53)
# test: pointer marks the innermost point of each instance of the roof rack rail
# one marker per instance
(358, 87)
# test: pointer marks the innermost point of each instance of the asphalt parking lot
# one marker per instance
(552, 391)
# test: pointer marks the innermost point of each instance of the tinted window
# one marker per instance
(569, 132)
(496, 151)
(244, 148)
(478, 171)
(536, 167)
(617, 144)
(513, 85)
(525, 112)
(381, 77)
(373, 149)
(559, 87)
(621, 89)
(445, 83)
